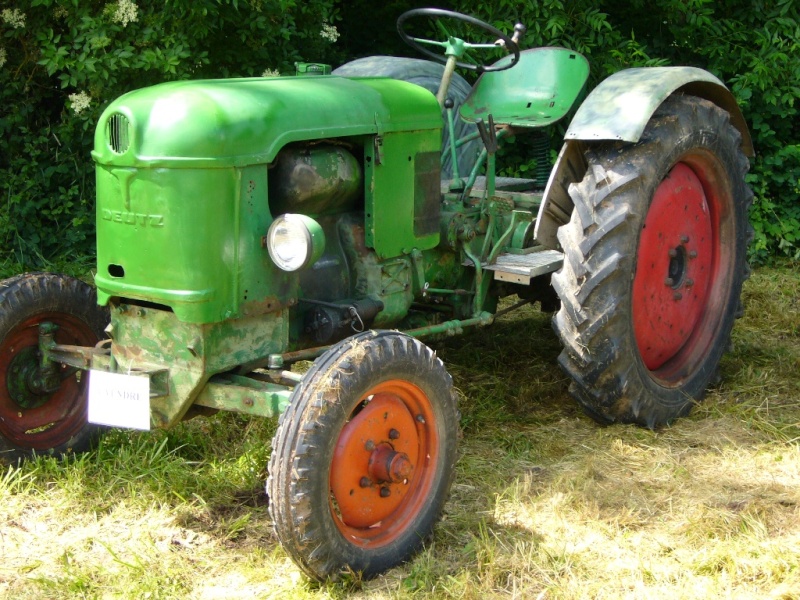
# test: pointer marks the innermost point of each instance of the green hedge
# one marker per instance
(62, 61)
(751, 45)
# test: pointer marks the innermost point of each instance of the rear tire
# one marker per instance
(426, 74)
(655, 258)
(35, 422)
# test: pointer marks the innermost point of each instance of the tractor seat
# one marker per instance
(536, 92)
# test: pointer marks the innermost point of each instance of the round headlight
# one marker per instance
(295, 241)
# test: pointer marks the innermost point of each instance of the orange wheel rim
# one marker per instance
(384, 464)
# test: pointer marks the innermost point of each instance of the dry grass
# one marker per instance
(546, 503)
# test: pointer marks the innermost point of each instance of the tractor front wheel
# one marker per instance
(655, 258)
(363, 457)
(37, 414)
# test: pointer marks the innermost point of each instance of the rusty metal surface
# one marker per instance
(148, 340)
(244, 395)
(314, 179)
(620, 107)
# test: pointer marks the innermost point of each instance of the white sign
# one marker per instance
(119, 400)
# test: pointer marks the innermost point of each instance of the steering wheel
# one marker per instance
(438, 13)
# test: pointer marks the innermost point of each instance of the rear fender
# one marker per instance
(618, 110)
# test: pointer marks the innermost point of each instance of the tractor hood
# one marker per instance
(239, 122)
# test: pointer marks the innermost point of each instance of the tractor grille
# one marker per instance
(119, 138)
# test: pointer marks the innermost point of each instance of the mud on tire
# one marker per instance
(363, 458)
(655, 258)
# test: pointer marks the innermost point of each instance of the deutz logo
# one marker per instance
(131, 218)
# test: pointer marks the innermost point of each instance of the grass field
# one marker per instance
(546, 503)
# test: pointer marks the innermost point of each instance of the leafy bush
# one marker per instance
(754, 47)
(62, 61)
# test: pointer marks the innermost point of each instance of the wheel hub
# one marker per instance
(375, 461)
(22, 379)
(40, 407)
(674, 267)
(388, 466)
(677, 266)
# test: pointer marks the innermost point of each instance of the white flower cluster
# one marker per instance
(80, 102)
(14, 17)
(329, 32)
(271, 73)
(59, 12)
(126, 12)
(2, 56)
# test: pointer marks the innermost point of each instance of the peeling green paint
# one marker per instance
(150, 340)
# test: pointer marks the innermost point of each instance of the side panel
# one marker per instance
(397, 173)
(260, 287)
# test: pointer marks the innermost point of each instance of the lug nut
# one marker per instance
(385, 492)
(421, 419)
(689, 282)
(365, 482)
(692, 253)
(677, 295)
(669, 281)
(369, 446)
(394, 434)
(673, 253)
(684, 239)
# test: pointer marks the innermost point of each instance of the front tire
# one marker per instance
(655, 258)
(363, 457)
(33, 421)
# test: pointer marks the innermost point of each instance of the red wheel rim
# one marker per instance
(54, 418)
(384, 464)
(682, 269)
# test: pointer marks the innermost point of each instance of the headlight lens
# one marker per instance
(295, 241)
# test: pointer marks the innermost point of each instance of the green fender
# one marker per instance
(619, 109)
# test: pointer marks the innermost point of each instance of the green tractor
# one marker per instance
(244, 225)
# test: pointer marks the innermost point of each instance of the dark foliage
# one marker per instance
(62, 61)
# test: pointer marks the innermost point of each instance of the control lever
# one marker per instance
(488, 135)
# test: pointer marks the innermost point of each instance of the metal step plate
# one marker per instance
(521, 268)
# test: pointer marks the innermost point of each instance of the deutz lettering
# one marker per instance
(129, 218)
